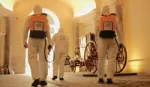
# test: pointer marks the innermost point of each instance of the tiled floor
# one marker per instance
(76, 80)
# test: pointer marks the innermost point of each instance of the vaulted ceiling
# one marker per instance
(78, 6)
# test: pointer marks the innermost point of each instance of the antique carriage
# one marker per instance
(88, 51)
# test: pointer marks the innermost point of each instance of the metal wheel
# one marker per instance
(121, 59)
(91, 57)
(72, 66)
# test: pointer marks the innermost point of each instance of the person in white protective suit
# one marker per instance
(37, 25)
(61, 47)
(107, 45)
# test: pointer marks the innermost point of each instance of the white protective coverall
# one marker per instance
(36, 47)
(61, 47)
(107, 49)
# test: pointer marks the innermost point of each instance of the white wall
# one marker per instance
(136, 16)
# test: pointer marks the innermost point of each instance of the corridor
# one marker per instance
(81, 20)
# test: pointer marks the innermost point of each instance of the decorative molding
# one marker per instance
(134, 60)
(4, 11)
(86, 18)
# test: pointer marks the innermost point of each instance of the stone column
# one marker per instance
(8, 45)
(97, 18)
(76, 32)
(2, 40)
(120, 17)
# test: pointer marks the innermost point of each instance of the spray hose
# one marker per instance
(45, 53)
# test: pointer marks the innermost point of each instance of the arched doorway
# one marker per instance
(54, 26)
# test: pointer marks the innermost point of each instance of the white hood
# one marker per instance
(37, 9)
(61, 30)
(105, 10)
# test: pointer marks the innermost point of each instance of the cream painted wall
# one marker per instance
(21, 10)
(136, 16)
(87, 23)
(81, 7)
(4, 11)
